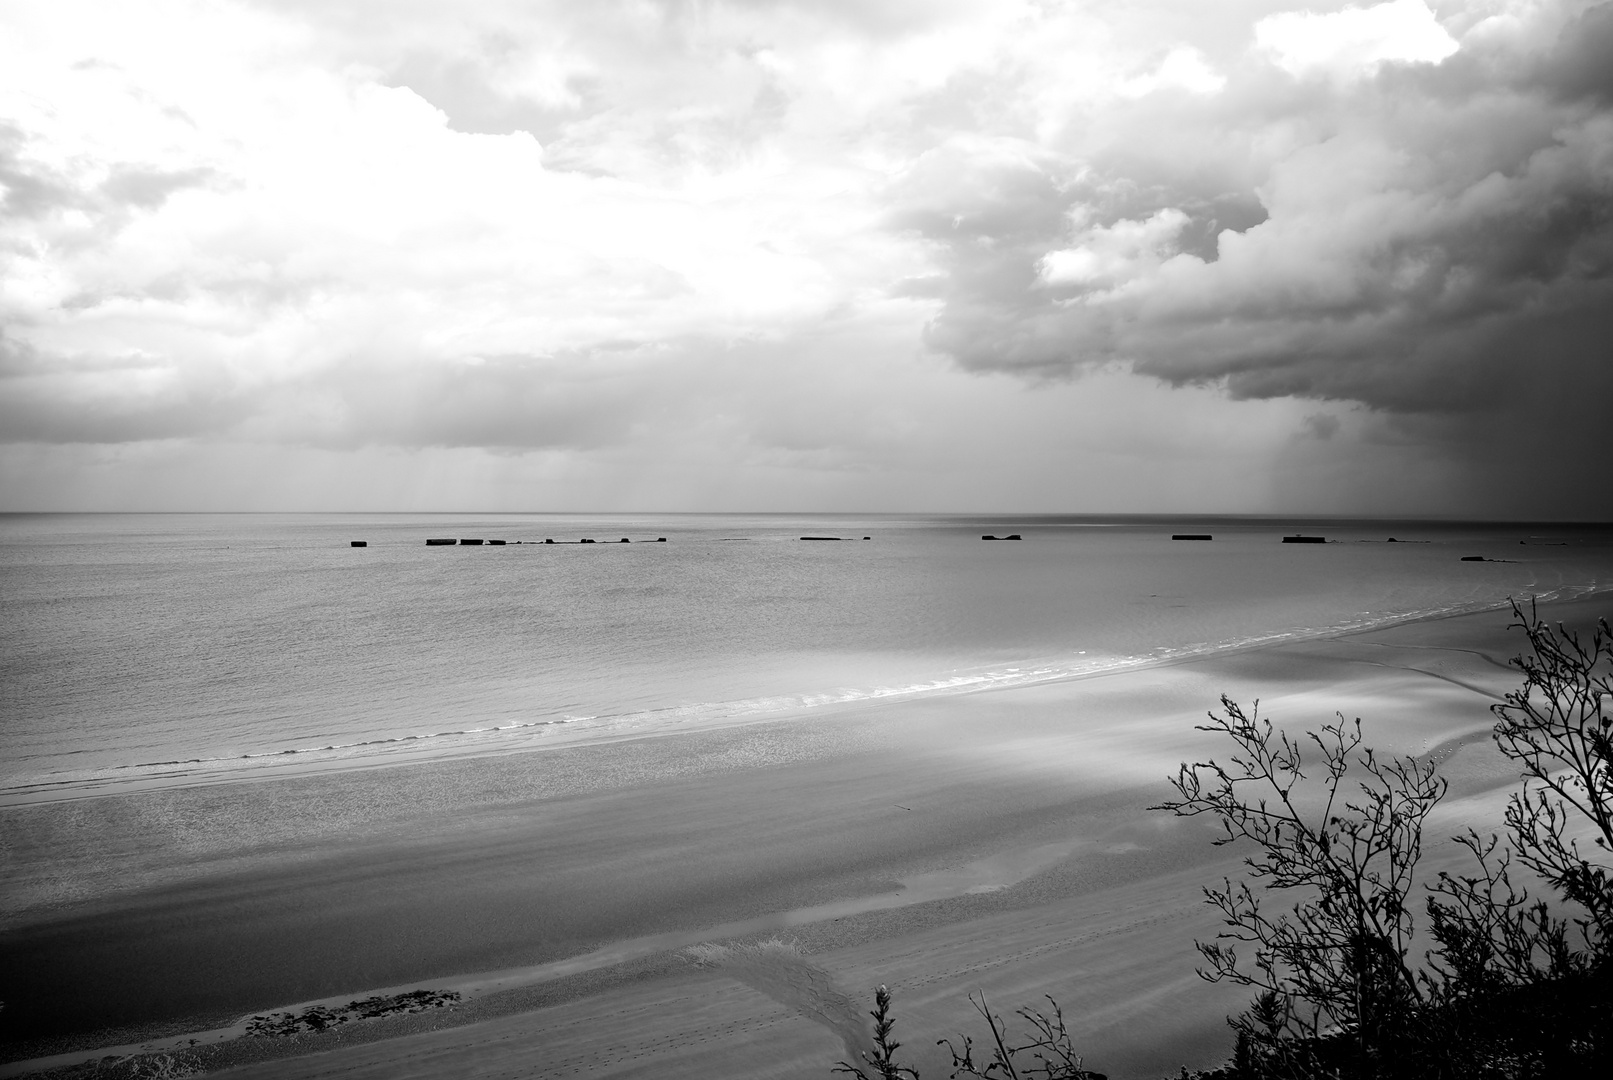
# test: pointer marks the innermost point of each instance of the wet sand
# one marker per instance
(997, 841)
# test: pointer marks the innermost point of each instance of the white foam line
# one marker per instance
(1028, 673)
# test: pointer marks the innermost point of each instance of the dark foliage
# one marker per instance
(882, 1060)
(1338, 960)
(1043, 1052)
(1514, 985)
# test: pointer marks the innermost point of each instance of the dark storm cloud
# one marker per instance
(1582, 65)
(998, 314)
(1440, 239)
(988, 227)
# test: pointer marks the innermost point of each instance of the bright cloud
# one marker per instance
(1184, 68)
(1355, 40)
(1108, 255)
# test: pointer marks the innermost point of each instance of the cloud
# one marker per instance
(98, 399)
(1322, 426)
(148, 188)
(1354, 41)
(555, 229)
(1434, 237)
(1578, 69)
(1183, 68)
(1104, 256)
(28, 190)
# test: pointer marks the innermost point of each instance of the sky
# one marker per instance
(1164, 256)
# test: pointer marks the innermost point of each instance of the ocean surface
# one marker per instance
(147, 650)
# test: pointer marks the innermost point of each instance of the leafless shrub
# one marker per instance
(1337, 961)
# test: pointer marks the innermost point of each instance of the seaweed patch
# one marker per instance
(325, 1018)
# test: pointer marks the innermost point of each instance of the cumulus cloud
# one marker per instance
(1434, 234)
(1354, 41)
(1109, 255)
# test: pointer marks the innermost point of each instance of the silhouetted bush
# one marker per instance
(1044, 1051)
(1338, 960)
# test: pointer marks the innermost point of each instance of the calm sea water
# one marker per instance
(140, 649)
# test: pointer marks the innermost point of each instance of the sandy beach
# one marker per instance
(997, 842)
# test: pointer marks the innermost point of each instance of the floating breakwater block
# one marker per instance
(1297, 539)
(1191, 536)
(820, 538)
(441, 542)
(472, 543)
(585, 541)
(496, 543)
(358, 543)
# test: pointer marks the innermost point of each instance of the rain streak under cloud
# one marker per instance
(1167, 256)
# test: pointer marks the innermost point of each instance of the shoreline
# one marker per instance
(542, 736)
(1031, 783)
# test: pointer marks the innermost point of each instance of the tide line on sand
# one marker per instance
(991, 874)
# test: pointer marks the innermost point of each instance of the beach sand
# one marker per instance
(997, 842)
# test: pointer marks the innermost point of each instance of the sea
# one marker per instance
(141, 650)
